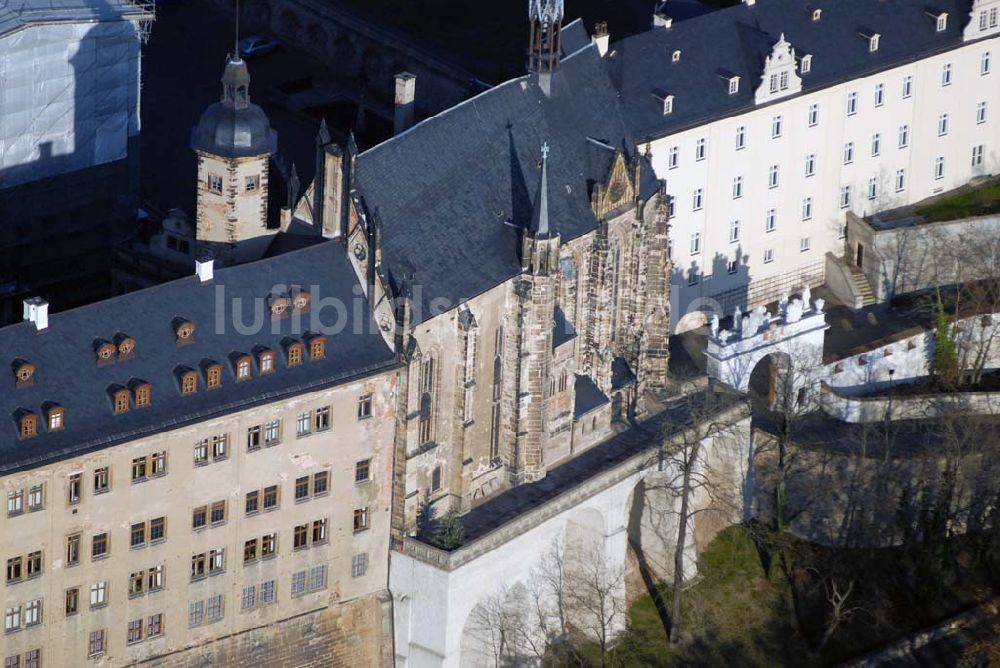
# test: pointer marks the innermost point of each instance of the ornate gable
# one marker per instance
(621, 189)
(779, 78)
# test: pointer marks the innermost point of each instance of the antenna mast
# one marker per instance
(236, 44)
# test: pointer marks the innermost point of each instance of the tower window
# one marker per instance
(215, 183)
(252, 183)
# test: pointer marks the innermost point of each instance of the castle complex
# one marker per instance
(233, 467)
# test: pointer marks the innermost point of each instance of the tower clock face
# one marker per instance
(359, 251)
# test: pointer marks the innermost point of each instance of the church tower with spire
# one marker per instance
(545, 48)
(536, 292)
(234, 142)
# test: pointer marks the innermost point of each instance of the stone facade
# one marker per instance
(354, 633)
(337, 619)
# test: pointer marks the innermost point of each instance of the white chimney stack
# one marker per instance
(749, 3)
(204, 270)
(406, 93)
(36, 310)
(602, 38)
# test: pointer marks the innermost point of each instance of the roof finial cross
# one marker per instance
(545, 151)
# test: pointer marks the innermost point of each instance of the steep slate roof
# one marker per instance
(17, 14)
(452, 191)
(738, 38)
(67, 372)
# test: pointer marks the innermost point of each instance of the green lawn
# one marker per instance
(981, 201)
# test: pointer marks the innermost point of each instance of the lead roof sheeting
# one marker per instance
(738, 39)
(68, 374)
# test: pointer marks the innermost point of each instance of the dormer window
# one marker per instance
(279, 305)
(189, 382)
(734, 85)
(873, 39)
(142, 392)
(295, 353)
(213, 375)
(105, 352)
(27, 424)
(817, 15)
(940, 21)
(668, 104)
(300, 300)
(184, 331)
(120, 400)
(805, 65)
(126, 347)
(676, 56)
(317, 348)
(243, 368)
(55, 417)
(24, 373)
(265, 362)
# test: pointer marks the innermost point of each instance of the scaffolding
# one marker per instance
(69, 84)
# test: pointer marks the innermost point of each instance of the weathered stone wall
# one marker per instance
(352, 633)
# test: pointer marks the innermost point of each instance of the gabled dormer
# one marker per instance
(779, 78)
(984, 20)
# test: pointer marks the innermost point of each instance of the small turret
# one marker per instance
(234, 141)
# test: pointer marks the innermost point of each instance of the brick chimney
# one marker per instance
(36, 310)
(406, 89)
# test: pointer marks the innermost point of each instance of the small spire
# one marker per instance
(236, 83)
(323, 136)
(540, 216)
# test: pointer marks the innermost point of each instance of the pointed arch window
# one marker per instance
(614, 273)
(426, 401)
(496, 413)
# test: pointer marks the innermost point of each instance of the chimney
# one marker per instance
(204, 270)
(749, 3)
(601, 38)
(36, 310)
(660, 17)
(406, 88)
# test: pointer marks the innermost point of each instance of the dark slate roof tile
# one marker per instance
(738, 38)
(67, 372)
(452, 191)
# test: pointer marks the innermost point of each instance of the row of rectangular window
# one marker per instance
(34, 496)
(24, 567)
(17, 617)
(32, 659)
(777, 122)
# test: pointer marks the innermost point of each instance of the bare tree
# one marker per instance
(595, 595)
(838, 596)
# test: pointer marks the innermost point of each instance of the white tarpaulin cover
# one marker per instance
(69, 97)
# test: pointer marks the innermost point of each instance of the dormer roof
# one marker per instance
(73, 380)
(740, 38)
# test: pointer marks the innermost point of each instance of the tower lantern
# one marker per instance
(546, 23)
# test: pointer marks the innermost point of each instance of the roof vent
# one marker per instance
(36, 310)
(817, 15)
(676, 57)
(204, 270)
